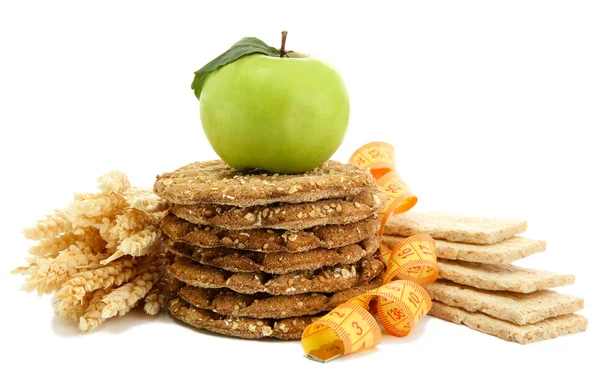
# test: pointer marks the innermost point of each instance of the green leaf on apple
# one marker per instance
(243, 47)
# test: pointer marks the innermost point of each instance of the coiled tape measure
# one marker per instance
(401, 301)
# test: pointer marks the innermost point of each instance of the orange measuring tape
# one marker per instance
(401, 301)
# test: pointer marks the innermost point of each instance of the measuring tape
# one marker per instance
(401, 301)
(380, 158)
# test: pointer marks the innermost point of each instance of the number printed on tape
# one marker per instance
(401, 302)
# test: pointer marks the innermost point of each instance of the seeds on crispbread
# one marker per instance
(214, 182)
(523, 334)
(501, 277)
(246, 328)
(288, 216)
(518, 308)
(455, 228)
(324, 280)
(275, 263)
(504, 252)
(269, 240)
(227, 302)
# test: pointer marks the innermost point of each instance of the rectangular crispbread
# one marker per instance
(547, 329)
(502, 277)
(455, 228)
(517, 308)
(503, 252)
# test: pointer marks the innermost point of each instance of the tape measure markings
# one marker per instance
(400, 304)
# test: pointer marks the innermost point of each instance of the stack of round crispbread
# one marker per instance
(264, 255)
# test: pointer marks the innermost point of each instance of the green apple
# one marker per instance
(282, 114)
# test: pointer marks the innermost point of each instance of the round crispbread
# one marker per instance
(265, 306)
(246, 328)
(323, 280)
(215, 182)
(288, 216)
(275, 263)
(270, 240)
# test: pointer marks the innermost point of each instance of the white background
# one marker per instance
(493, 108)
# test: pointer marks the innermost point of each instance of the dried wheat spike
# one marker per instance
(160, 294)
(127, 224)
(29, 270)
(52, 273)
(78, 197)
(82, 221)
(77, 310)
(95, 205)
(145, 200)
(51, 247)
(73, 291)
(103, 225)
(93, 314)
(122, 299)
(50, 227)
(91, 237)
(75, 245)
(139, 244)
(113, 182)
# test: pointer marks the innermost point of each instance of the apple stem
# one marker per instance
(283, 38)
